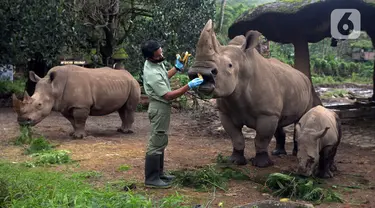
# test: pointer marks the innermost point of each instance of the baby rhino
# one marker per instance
(318, 134)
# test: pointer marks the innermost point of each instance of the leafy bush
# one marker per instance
(8, 87)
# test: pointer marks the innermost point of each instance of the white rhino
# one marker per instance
(318, 134)
(77, 93)
(263, 94)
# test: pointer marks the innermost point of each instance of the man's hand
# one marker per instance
(195, 82)
(179, 66)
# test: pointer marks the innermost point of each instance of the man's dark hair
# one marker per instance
(149, 47)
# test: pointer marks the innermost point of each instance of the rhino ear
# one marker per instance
(34, 77)
(252, 40)
(321, 133)
(52, 76)
(238, 40)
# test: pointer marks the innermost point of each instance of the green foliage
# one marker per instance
(364, 43)
(38, 145)
(207, 177)
(8, 87)
(335, 93)
(175, 24)
(283, 185)
(40, 188)
(35, 26)
(86, 175)
(52, 157)
(25, 137)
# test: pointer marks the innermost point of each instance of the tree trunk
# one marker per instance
(38, 65)
(302, 63)
(222, 14)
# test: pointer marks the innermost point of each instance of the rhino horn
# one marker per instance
(208, 43)
(26, 96)
(16, 103)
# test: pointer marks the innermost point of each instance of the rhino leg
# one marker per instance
(127, 119)
(265, 129)
(295, 144)
(71, 120)
(80, 116)
(238, 140)
(127, 111)
(280, 142)
(325, 162)
(333, 167)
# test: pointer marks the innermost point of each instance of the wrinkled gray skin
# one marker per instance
(263, 94)
(77, 93)
(318, 135)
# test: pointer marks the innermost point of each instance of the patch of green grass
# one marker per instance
(207, 177)
(335, 93)
(87, 175)
(40, 188)
(124, 168)
(282, 185)
(338, 80)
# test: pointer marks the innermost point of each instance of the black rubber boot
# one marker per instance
(164, 176)
(152, 172)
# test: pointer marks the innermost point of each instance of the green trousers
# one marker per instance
(159, 114)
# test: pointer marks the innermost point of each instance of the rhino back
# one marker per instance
(103, 90)
(318, 118)
(278, 87)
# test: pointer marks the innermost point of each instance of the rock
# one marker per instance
(275, 204)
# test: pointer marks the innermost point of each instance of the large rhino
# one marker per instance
(263, 94)
(77, 93)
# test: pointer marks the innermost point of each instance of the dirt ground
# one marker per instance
(193, 144)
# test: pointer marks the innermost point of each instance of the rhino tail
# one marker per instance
(339, 128)
(315, 98)
(134, 96)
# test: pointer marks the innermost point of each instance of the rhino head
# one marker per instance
(220, 65)
(308, 149)
(32, 110)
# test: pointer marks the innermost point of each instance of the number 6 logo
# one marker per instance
(345, 23)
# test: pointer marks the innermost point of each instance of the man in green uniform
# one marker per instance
(157, 87)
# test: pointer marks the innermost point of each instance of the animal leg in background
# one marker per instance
(325, 161)
(238, 140)
(71, 120)
(80, 116)
(127, 111)
(338, 126)
(265, 129)
(295, 143)
(280, 142)
(127, 119)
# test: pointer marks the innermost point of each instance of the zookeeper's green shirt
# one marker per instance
(155, 81)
